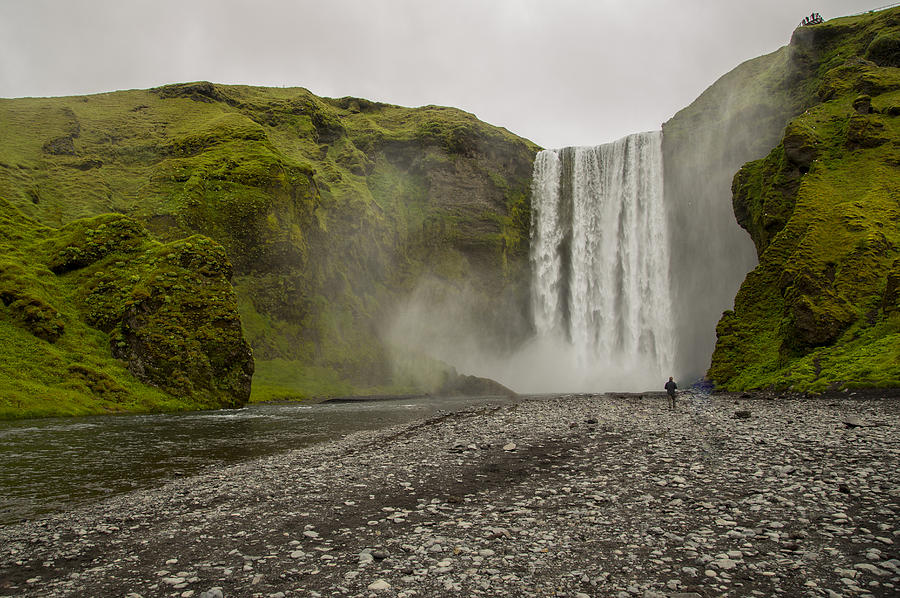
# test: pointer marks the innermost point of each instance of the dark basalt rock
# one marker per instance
(890, 303)
(863, 104)
(818, 321)
(60, 146)
(473, 386)
(865, 131)
(800, 146)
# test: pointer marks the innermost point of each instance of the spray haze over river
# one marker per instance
(630, 272)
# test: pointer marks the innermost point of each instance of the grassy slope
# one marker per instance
(327, 208)
(73, 297)
(820, 311)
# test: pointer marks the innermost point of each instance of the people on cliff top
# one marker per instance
(670, 388)
(813, 19)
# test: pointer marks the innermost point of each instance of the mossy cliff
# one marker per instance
(96, 317)
(330, 210)
(820, 310)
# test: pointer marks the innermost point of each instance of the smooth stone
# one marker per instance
(379, 585)
(724, 564)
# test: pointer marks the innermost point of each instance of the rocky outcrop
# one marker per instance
(884, 49)
(169, 310)
(471, 386)
(198, 91)
(739, 118)
(33, 313)
(762, 104)
(98, 295)
(890, 303)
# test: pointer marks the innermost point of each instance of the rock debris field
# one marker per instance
(568, 496)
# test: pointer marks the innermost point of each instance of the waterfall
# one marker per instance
(600, 263)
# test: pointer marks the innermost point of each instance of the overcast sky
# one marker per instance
(559, 72)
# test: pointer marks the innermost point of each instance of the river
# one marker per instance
(51, 465)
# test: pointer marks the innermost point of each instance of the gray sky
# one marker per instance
(559, 72)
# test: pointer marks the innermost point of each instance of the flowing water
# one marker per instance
(600, 262)
(51, 465)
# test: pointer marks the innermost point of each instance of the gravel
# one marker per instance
(568, 496)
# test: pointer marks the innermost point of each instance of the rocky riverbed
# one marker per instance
(571, 496)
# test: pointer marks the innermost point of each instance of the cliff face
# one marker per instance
(739, 118)
(331, 211)
(823, 209)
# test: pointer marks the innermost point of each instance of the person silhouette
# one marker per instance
(670, 388)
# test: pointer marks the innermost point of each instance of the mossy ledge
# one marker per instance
(820, 311)
(98, 318)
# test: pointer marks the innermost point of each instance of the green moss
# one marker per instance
(818, 312)
(27, 301)
(885, 49)
(282, 380)
(227, 128)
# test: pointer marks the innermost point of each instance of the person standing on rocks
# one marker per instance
(670, 388)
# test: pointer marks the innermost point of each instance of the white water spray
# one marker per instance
(600, 265)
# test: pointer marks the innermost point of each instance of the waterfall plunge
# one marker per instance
(600, 266)
(600, 281)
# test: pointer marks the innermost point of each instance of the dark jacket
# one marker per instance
(671, 386)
